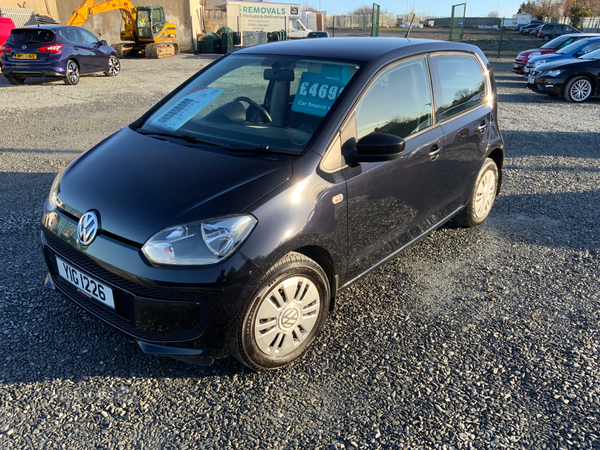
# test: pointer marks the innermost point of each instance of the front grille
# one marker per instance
(533, 73)
(96, 270)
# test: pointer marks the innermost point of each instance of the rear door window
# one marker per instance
(459, 84)
(31, 36)
(72, 35)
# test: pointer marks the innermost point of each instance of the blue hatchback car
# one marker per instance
(574, 50)
(56, 51)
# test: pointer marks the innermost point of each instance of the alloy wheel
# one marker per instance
(581, 90)
(73, 72)
(114, 66)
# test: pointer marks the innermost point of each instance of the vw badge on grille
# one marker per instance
(24, 47)
(87, 228)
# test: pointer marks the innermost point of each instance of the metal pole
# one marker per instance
(501, 32)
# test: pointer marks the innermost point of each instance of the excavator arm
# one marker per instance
(89, 7)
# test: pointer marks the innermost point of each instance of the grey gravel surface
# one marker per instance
(484, 338)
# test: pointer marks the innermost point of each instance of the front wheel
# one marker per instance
(114, 66)
(72, 75)
(546, 37)
(578, 89)
(286, 314)
(483, 195)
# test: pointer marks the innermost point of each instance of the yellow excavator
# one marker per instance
(146, 28)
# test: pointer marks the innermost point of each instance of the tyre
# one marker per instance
(546, 37)
(16, 81)
(285, 315)
(114, 66)
(578, 89)
(482, 198)
(72, 75)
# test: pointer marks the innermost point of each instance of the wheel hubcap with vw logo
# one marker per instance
(286, 316)
(87, 228)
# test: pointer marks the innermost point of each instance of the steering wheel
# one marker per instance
(264, 114)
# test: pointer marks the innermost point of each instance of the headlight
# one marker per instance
(538, 63)
(199, 243)
(554, 73)
(53, 200)
(533, 55)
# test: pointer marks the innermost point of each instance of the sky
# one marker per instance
(437, 8)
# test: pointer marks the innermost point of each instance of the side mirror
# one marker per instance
(578, 54)
(376, 147)
(103, 42)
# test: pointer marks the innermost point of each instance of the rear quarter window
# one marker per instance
(31, 36)
(459, 85)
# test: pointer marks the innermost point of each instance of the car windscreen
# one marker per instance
(247, 101)
(22, 36)
(573, 47)
(591, 55)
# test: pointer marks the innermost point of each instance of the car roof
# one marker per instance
(355, 48)
(44, 27)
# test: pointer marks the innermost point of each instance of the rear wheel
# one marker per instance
(578, 89)
(72, 75)
(546, 37)
(285, 315)
(114, 66)
(16, 81)
(482, 196)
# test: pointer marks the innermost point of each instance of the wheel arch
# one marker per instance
(497, 156)
(324, 259)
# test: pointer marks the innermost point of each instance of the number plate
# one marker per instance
(515, 66)
(25, 56)
(526, 69)
(531, 80)
(86, 285)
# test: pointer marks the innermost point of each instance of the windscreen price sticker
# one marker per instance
(318, 90)
(186, 108)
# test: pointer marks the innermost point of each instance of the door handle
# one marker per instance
(434, 152)
(481, 128)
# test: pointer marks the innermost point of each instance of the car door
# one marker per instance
(462, 109)
(389, 202)
(80, 49)
(96, 58)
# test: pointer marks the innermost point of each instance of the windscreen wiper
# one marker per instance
(185, 137)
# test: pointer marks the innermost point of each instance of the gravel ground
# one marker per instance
(484, 338)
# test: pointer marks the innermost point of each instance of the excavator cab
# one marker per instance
(150, 22)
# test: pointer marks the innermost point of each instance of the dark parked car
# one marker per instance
(552, 30)
(228, 217)
(555, 44)
(534, 31)
(56, 51)
(576, 79)
(318, 34)
(532, 25)
(573, 50)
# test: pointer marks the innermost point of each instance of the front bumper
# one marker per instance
(518, 67)
(168, 311)
(545, 86)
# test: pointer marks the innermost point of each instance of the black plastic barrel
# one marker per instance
(209, 43)
(226, 42)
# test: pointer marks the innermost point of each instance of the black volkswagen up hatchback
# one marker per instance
(227, 218)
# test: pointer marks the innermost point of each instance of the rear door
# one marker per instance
(98, 60)
(80, 51)
(461, 107)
